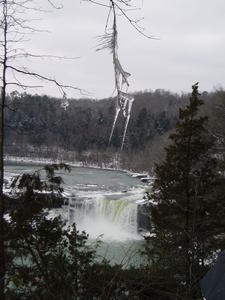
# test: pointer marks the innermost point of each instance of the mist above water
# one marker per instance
(110, 219)
(102, 202)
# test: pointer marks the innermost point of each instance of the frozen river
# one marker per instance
(104, 203)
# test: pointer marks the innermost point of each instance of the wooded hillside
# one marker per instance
(39, 126)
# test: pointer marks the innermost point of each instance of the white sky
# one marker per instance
(191, 47)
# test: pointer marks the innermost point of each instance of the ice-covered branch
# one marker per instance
(109, 41)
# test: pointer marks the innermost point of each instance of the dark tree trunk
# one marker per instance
(2, 250)
(3, 98)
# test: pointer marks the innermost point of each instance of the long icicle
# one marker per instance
(124, 100)
(130, 103)
(114, 123)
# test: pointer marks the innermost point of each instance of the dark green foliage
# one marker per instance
(187, 212)
(38, 190)
(45, 259)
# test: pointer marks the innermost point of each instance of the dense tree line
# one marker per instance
(39, 126)
(86, 123)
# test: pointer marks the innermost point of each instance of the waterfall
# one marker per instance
(111, 219)
(100, 202)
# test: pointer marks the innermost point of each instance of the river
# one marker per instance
(102, 202)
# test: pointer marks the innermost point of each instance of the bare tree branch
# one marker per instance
(61, 86)
(54, 5)
(24, 86)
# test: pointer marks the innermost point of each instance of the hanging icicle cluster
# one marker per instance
(124, 100)
(64, 102)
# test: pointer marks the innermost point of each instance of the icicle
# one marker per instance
(124, 101)
(65, 102)
(120, 74)
(123, 105)
(114, 123)
(125, 131)
(130, 103)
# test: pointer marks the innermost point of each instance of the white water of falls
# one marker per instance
(109, 219)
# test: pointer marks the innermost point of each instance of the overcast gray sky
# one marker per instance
(191, 46)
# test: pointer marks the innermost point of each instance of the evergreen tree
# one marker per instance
(187, 207)
(45, 258)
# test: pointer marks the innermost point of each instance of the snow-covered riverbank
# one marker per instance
(143, 176)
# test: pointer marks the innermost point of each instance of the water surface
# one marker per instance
(104, 204)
